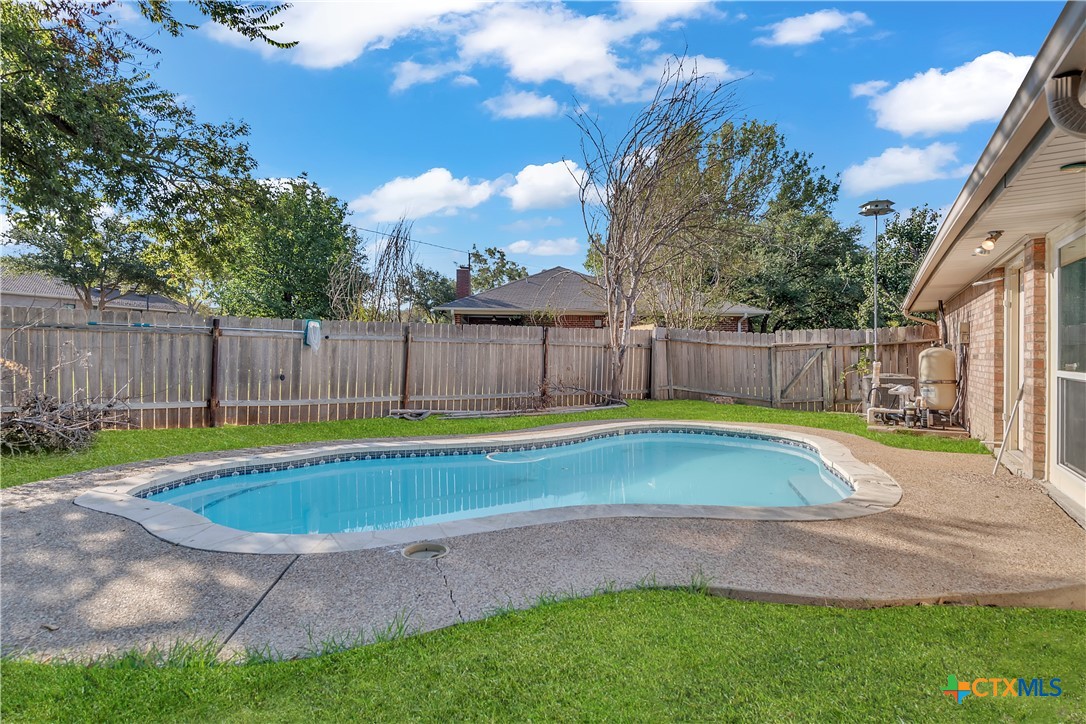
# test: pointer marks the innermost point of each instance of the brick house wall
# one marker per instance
(1034, 400)
(730, 324)
(982, 307)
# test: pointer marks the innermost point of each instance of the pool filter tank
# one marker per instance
(938, 378)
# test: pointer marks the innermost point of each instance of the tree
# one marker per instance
(348, 284)
(83, 123)
(187, 276)
(108, 261)
(490, 268)
(390, 278)
(751, 175)
(901, 248)
(642, 197)
(279, 252)
(429, 289)
(805, 269)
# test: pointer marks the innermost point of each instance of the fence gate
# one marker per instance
(804, 376)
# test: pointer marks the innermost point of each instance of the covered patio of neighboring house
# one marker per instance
(1009, 267)
(561, 297)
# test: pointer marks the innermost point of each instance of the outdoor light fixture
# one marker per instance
(876, 208)
(981, 251)
(990, 241)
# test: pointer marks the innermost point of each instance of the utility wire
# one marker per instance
(436, 246)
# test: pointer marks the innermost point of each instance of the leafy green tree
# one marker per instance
(770, 238)
(83, 123)
(110, 259)
(280, 253)
(806, 269)
(901, 248)
(190, 277)
(490, 268)
(427, 289)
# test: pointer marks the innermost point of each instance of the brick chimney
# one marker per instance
(463, 282)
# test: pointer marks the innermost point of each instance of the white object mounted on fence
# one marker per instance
(311, 336)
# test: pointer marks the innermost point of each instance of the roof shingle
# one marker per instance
(557, 290)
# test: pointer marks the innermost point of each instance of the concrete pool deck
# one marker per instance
(77, 582)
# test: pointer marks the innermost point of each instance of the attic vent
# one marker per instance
(1064, 105)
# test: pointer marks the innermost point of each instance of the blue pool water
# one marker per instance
(677, 468)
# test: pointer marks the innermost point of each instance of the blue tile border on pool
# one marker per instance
(481, 449)
(872, 489)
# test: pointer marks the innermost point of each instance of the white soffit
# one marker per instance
(1037, 200)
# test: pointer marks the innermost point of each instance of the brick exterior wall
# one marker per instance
(982, 307)
(730, 324)
(1034, 309)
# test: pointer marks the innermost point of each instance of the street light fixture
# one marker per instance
(876, 208)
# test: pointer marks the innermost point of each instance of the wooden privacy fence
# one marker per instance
(817, 369)
(187, 371)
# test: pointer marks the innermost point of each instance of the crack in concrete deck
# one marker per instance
(445, 578)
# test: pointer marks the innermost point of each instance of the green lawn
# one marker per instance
(642, 656)
(123, 446)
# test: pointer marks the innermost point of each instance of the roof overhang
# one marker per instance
(482, 312)
(1016, 186)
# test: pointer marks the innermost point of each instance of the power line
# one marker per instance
(414, 240)
(436, 246)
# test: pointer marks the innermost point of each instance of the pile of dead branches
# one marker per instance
(41, 423)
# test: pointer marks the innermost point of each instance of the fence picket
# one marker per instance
(163, 367)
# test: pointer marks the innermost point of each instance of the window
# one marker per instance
(1071, 357)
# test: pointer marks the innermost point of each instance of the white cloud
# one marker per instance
(522, 104)
(596, 54)
(809, 28)
(904, 165)
(435, 191)
(546, 247)
(409, 73)
(541, 43)
(465, 80)
(331, 34)
(533, 224)
(548, 186)
(936, 102)
(868, 89)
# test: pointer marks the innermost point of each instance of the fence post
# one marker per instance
(774, 383)
(543, 396)
(828, 403)
(404, 396)
(659, 382)
(213, 403)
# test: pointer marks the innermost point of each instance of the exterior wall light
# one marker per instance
(990, 241)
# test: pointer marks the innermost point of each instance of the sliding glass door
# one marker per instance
(1070, 340)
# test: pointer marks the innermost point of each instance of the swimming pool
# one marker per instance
(638, 468)
(369, 494)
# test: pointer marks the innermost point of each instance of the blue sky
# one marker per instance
(453, 111)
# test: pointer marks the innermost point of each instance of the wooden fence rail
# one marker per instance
(187, 371)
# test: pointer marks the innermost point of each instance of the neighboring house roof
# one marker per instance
(556, 291)
(1016, 186)
(44, 288)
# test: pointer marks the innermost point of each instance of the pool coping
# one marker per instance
(873, 491)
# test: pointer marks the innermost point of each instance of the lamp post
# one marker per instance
(876, 208)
